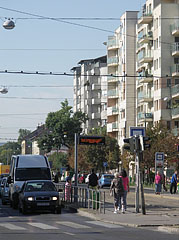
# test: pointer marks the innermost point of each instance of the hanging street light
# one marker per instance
(9, 24)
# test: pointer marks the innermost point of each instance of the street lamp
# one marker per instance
(9, 24)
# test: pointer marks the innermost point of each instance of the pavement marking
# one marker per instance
(11, 226)
(73, 225)
(103, 224)
(42, 226)
(72, 234)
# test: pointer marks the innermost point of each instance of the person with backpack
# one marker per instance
(118, 188)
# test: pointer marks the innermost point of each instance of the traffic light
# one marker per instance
(144, 143)
(130, 144)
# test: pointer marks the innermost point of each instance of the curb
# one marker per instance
(173, 230)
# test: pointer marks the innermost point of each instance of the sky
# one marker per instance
(55, 43)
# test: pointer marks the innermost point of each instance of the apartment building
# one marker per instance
(90, 91)
(158, 64)
(121, 63)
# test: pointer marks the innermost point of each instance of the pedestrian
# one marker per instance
(125, 181)
(56, 180)
(118, 188)
(68, 189)
(158, 183)
(93, 180)
(164, 182)
(173, 183)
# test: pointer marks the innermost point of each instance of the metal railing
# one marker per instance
(82, 196)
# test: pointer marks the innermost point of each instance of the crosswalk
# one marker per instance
(58, 225)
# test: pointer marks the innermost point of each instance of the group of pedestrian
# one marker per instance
(160, 180)
(120, 188)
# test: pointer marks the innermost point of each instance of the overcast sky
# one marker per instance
(49, 45)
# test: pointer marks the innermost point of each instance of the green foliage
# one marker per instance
(22, 134)
(58, 160)
(61, 127)
(8, 149)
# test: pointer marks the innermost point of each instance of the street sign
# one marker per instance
(136, 131)
(159, 161)
(105, 164)
(91, 140)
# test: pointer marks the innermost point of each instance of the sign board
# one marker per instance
(91, 140)
(136, 131)
(159, 161)
(105, 164)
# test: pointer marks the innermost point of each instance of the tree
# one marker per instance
(8, 149)
(61, 127)
(22, 134)
(58, 160)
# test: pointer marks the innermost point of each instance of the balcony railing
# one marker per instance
(146, 18)
(145, 38)
(175, 49)
(144, 97)
(145, 116)
(112, 42)
(112, 93)
(145, 57)
(175, 90)
(113, 60)
(112, 79)
(114, 125)
(175, 112)
(112, 111)
(175, 29)
(175, 70)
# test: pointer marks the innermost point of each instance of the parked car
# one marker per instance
(1, 178)
(4, 191)
(39, 195)
(105, 180)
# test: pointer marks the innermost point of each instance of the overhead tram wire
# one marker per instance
(77, 24)
(72, 74)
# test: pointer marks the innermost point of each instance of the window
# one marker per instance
(176, 124)
(176, 60)
(168, 125)
(176, 81)
(168, 82)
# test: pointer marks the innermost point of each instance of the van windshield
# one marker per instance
(23, 174)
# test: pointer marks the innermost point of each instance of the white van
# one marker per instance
(23, 168)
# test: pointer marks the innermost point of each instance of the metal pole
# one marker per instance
(76, 169)
(137, 184)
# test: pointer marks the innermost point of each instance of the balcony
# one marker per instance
(145, 57)
(112, 127)
(175, 113)
(142, 97)
(96, 101)
(96, 86)
(175, 90)
(175, 29)
(145, 77)
(146, 18)
(112, 111)
(175, 49)
(175, 70)
(145, 117)
(96, 115)
(112, 79)
(112, 43)
(113, 93)
(113, 61)
(145, 38)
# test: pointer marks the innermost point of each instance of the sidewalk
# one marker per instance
(162, 212)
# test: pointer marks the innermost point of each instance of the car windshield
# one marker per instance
(39, 187)
(23, 174)
(109, 176)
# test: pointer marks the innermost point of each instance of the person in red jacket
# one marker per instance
(158, 183)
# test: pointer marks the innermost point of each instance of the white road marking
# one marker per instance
(73, 225)
(72, 234)
(42, 226)
(11, 226)
(103, 224)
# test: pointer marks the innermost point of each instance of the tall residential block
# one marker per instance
(158, 64)
(90, 91)
(121, 63)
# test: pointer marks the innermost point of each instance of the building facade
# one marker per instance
(121, 62)
(90, 91)
(158, 64)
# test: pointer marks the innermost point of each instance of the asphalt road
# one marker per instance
(47, 226)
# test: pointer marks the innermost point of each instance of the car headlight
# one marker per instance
(30, 198)
(54, 198)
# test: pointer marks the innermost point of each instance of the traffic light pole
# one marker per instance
(76, 169)
(137, 184)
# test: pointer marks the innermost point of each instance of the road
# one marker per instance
(45, 226)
